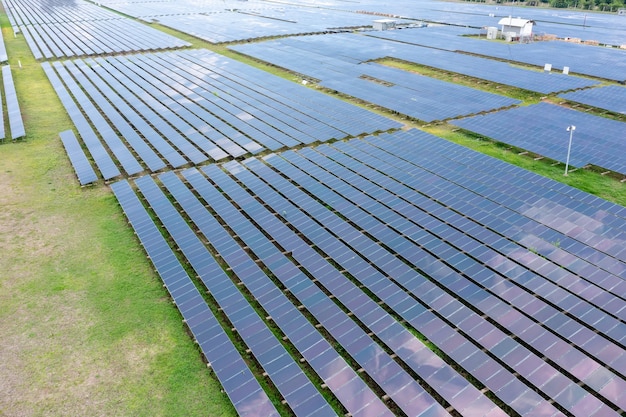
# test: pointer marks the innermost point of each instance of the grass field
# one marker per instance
(87, 328)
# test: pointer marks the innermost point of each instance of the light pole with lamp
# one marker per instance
(570, 129)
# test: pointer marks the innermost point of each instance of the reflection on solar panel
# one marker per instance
(238, 381)
(611, 98)
(172, 109)
(516, 279)
(541, 129)
(320, 57)
(16, 124)
(63, 28)
(82, 167)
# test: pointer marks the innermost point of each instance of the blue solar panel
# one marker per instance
(16, 124)
(186, 107)
(326, 57)
(82, 167)
(485, 306)
(118, 148)
(73, 29)
(318, 303)
(611, 98)
(99, 153)
(582, 59)
(357, 305)
(135, 123)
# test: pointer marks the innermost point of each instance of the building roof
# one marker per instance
(515, 22)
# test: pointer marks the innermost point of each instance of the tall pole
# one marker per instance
(570, 129)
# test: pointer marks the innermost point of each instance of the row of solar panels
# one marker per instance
(414, 95)
(171, 109)
(30, 12)
(320, 57)
(220, 22)
(16, 123)
(380, 239)
(97, 37)
(612, 98)
(542, 129)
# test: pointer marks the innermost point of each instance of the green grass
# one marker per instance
(87, 327)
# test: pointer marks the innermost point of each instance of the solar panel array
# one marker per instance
(410, 94)
(218, 22)
(392, 275)
(414, 95)
(16, 124)
(170, 109)
(64, 28)
(541, 129)
(608, 63)
(367, 243)
(319, 57)
(612, 98)
(229, 366)
(603, 27)
(80, 163)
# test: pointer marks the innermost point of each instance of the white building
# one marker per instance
(516, 27)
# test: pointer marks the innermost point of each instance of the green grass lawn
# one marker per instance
(87, 328)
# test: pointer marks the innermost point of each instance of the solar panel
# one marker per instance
(118, 148)
(100, 155)
(596, 141)
(327, 57)
(75, 29)
(317, 302)
(312, 171)
(80, 163)
(16, 124)
(610, 97)
(299, 331)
